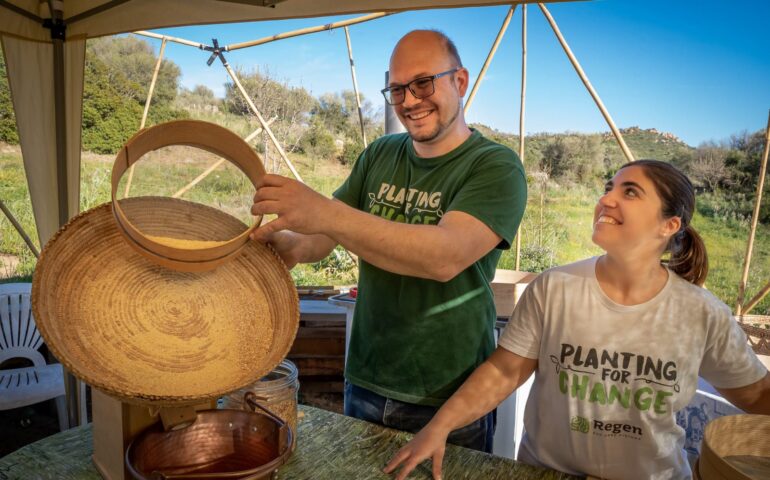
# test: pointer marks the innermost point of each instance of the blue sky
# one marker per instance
(699, 69)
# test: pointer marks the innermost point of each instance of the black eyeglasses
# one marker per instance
(422, 87)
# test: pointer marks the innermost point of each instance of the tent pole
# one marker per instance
(256, 132)
(266, 127)
(355, 85)
(180, 41)
(19, 229)
(521, 114)
(57, 26)
(490, 56)
(20, 11)
(587, 83)
(757, 298)
(259, 117)
(94, 11)
(753, 231)
(61, 123)
(305, 31)
(146, 109)
(215, 165)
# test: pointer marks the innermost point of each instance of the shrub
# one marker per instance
(318, 142)
(351, 150)
(8, 132)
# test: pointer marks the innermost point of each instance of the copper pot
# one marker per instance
(218, 444)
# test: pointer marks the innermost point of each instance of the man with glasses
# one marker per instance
(428, 213)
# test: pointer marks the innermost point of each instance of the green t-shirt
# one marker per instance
(417, 340)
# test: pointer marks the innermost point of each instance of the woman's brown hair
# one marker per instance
(688, 259)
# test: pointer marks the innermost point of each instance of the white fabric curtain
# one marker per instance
(31, 79)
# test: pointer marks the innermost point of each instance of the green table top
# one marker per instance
(330, 447)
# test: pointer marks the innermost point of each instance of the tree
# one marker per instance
(109, 117)
(199, 98)
(118, 73)
(290, 106)
(135, 60)
(708, 167)
(8, 131)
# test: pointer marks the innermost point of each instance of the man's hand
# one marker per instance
(298, 207)
(430, 442)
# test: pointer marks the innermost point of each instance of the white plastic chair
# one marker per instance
(19, 338)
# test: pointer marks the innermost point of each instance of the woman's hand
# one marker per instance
(430, 442)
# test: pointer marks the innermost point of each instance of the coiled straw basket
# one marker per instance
(167, 303)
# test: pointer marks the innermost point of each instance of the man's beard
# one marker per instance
(440, 127)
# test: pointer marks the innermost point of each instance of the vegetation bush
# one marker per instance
(118, 71)
(350, 151)
(8, 132)
(319, 142)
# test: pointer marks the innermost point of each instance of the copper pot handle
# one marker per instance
(251, 399)
(284, 432)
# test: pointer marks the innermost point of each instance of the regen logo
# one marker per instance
(616, 428)
(579, 424)
(604, 428)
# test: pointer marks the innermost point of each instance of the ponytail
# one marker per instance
(677, 195)
(689, 259)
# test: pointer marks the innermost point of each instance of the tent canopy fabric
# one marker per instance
(94, 18)
(45, 70)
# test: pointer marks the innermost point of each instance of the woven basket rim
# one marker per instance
(129, 395)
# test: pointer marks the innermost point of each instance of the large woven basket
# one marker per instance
(147, 334)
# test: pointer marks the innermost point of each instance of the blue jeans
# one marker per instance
(372, 407)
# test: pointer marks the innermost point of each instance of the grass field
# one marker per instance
(556, 227)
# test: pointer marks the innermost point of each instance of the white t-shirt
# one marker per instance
(610, 377)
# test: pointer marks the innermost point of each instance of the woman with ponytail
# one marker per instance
(617, 343)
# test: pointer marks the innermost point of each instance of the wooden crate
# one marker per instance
(319, 353)
(506, 287)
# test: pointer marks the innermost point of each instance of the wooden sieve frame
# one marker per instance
(206, 136)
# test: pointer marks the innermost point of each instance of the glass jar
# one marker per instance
(277, 391)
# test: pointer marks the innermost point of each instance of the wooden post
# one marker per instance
(256, 132)
(757, 298)
(147, 108)
(355, 86)
(490, 56)
(521, 113)
(753, 230)
(260, 118)
(180, 41)
(587, 83)
(152, 84)
(19, 229)
(305, 31)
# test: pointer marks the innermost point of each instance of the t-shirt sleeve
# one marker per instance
(350, 191)
(495, 193)
(728, 361)
(524, 331)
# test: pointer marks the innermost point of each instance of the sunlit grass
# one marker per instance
(557, 233)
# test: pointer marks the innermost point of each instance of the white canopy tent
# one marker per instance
(45, 56)
(44, 47)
